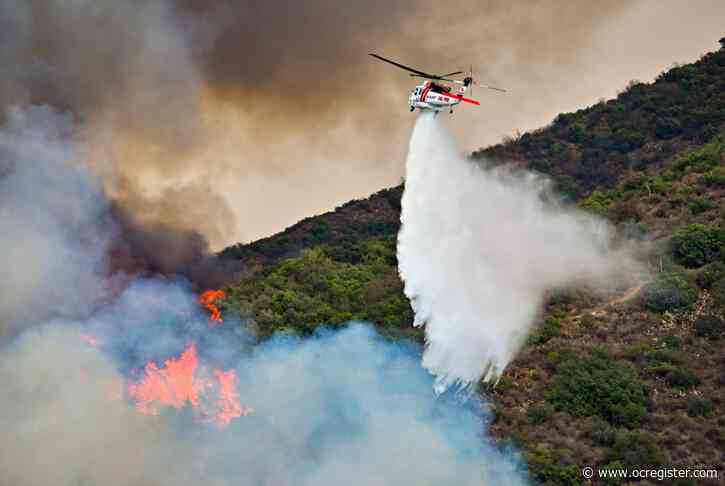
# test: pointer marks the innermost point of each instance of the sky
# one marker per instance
(237, 119)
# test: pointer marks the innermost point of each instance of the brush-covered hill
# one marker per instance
(636, 380)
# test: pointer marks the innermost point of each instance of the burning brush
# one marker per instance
(208, 300)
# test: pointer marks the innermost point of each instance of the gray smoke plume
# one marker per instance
(478, 249)
(52, 214)
(253, 103)
(340, 406)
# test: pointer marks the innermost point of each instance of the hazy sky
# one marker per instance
(237, 119)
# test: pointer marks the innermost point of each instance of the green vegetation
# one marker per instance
(550, 328)
(642, 128)
(598, 202)
(699, 406)
(704, 159)
(636, 449)
(669, 291)
(679, 377)
(602, 433)
(596, 384)
(318, 289)
(711, 275)
(539, 413)
(709, 326)
(545, 469)
(698, 244)
(652, 162)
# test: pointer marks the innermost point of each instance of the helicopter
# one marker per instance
(435, 96)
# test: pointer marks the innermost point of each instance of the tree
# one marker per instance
(698, 244)
(596, 384)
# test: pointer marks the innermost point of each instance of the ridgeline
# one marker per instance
(633, 380)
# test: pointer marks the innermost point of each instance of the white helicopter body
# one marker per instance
(435, 96)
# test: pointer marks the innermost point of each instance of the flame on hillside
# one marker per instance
(178, 384)
(208, 300)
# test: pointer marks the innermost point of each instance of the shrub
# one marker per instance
(682, 378)
(714, 178)
(549, 329)
(718, 293)
(598, 202)
(539, 413)
(672, 342)
(710, 275)
(665, 356)
(596, 384)
(636, 449)
(699, 407)
(634, 352)
(602, 433)
(699, 205)
(546, 470)
(698, 244)
(709, 326)
(669, 291)
(668, 127)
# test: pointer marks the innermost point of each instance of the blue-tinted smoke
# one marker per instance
(341, 406)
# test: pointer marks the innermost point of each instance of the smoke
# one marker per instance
(81, 329)
(52, 214)
(342, 405)
(478, 249)
(253, 103)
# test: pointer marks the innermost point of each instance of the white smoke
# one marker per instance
(478, 249)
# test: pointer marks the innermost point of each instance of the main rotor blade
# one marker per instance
(491, 87)
(435, 78)
(451, 74)
(478, 84)
(403, 66)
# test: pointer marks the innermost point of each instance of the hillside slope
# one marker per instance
(636, 379)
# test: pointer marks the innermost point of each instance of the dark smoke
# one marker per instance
(222, 97)
(159, 249)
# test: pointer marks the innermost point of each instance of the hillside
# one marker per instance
(636, 379)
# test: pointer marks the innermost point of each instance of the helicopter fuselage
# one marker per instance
(435, 97)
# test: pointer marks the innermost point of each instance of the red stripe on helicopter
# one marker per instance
(461, 98)
(424, 93)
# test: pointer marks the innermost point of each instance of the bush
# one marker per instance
(710, 275)
(709, 326)
(539, 413)
(682, 378)
(669, 291)
(672, 342)
(596, 384)
(668, 127)
(546, 470)
(636, 449)
(699, 407)
(598, 202)
(699, 205)
(602, 433)
(549, 329)
(714, 178)
(698, 244)
(718, 294)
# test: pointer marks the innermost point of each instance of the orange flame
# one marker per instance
(208, 299)
(228, 401)
(173, 385)
(177, 384)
